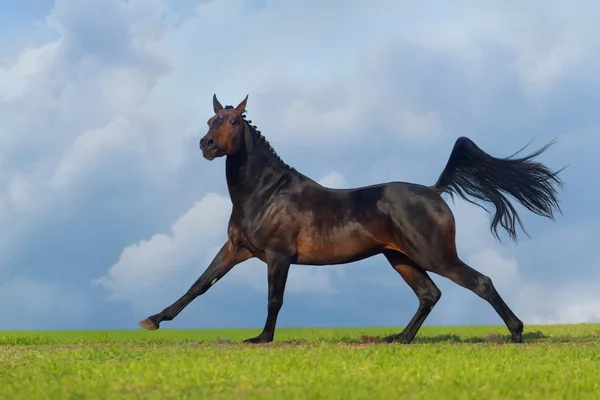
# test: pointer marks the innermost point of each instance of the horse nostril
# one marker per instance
(207, 144)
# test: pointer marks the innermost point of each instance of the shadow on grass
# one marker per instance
(490, 338)
(528, 337)
(453, 338)
(480, 336)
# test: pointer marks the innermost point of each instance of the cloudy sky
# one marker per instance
(108, 212)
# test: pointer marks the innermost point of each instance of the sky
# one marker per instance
(109, 212)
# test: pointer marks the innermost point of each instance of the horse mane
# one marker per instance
(264, 140)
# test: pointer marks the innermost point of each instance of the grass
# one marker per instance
(556, 362)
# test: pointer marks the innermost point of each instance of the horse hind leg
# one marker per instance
(467, 277)
(441, 258)
(425, 289)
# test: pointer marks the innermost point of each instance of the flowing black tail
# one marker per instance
(471, 171)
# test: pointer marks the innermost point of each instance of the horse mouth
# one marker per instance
(210, 154)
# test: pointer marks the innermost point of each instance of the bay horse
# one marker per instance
(283, 217)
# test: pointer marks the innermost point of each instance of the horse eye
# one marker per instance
(233, 121)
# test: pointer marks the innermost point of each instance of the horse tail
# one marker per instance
(471, 171)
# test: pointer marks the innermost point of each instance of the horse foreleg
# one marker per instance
(278, 267)
(228, 257)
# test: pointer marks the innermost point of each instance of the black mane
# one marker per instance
(256, 133)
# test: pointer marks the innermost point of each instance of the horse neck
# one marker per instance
(254, 171)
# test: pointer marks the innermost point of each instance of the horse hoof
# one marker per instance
(148, 324)
(399, 338)
(257, 340)
(517, 338)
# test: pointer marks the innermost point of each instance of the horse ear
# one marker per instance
(241, 108)
(216, 105)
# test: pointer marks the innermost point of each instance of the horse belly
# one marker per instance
(335, 248)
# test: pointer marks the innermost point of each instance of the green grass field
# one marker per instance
(556, 362)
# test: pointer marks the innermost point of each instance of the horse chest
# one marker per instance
(256, 235)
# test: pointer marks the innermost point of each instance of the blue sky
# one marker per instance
(108, 212)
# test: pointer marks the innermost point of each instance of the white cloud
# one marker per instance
(97, 146)
(301, 120)
(547, 42)
(540, 72)
(19, 192)
(73, 108)
(565, 303)
(578, 312)
(15, 79)
(423, 127)
(333, 180)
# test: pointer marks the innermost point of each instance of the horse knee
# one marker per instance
(199, 288)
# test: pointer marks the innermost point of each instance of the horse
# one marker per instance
(283, 217)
